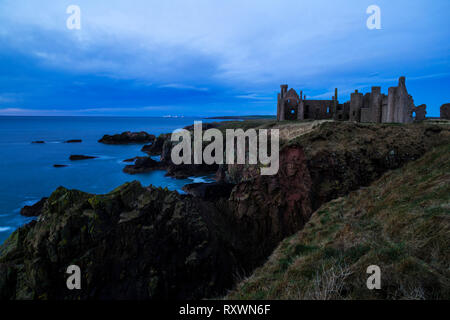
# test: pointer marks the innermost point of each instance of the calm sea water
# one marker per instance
(27, 173)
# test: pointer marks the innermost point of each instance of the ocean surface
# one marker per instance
(27, 173)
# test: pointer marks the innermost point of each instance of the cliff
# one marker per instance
(133, 243)
(144, 242)
(401, 223)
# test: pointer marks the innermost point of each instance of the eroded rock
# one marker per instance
(74, 141)
(35, 209)
(133, 243)
(127, 137)
(209, 191)
(142, 165)
(77, 157)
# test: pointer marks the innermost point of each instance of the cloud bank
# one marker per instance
(214, 57)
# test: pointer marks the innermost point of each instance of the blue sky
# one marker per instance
(210, 57)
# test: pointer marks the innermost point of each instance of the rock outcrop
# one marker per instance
(60, 165)
(401, 223)
(317, 167)
(184, 171)
(163, 147)
(209, 191)
(134, 243)
(156, 147)
(127, 137)
(74, 141)
(35, 209)
(142, 165)
(141, 243)
(77, 157)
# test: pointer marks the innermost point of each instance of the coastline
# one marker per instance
(31, 174)
(174, 246)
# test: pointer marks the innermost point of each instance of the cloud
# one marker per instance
(87, 111)
(254, 96)
(6, 99)
(13, 111)
(182, 87)
(222, 52)
(9, 98)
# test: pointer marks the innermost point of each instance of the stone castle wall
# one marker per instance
(396, 106)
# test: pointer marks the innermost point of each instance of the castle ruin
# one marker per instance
(445, 111)
(396, 106)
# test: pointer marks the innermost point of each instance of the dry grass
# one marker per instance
(289, 130)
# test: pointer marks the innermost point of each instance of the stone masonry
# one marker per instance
(397, 106)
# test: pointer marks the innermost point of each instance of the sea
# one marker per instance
(26, 169)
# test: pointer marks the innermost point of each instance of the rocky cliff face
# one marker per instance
(401, 223)
(134, 243)
(317, 167)
(142, 243)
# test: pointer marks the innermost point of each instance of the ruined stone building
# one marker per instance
(374, 106)
(445, 111)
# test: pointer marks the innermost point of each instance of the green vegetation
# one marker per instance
(400, 223)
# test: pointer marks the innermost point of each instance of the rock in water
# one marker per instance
(127, 138)
(74, 141)
(142, 165)
(59, 165)
(76, 157)
(131, 159)
(156, 147)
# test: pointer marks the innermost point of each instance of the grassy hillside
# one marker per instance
(400, 223)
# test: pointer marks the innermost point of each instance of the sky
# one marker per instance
(211, 57)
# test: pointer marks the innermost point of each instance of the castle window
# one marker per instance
(292, 111)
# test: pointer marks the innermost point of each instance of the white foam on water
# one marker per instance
(103, 157)
(4, 229)
(29, 203)
(204, 179)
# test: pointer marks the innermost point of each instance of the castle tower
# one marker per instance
(356, 103)
(400, 104)
(375, 104)
(388, 116)
(335, 102)
(301, 107)
(280, 104)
